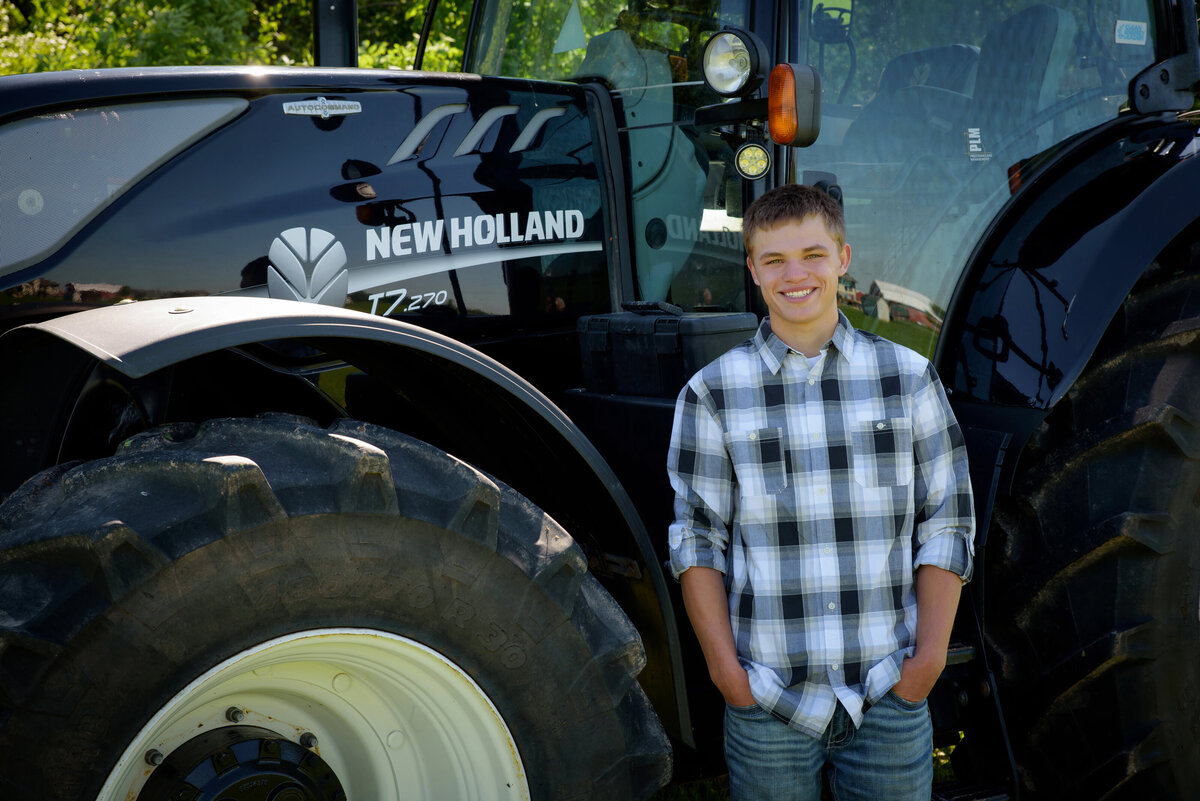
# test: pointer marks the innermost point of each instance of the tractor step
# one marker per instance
(959, 653)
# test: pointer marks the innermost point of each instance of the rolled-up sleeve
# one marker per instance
(944, 535)
(701, 475)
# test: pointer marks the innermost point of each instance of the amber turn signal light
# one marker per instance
(794, 104)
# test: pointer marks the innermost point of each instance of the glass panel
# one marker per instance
(538, 40)
(687, 243)
(927, 108)
(60, 170)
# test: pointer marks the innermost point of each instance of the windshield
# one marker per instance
(930, 107)
(550, 39)
(930, 110)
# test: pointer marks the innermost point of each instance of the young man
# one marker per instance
(823, 528)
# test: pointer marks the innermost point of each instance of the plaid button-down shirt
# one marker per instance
(818, 490)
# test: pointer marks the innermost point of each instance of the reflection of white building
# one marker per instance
(848, 294)
(894, 302)
(92, 292)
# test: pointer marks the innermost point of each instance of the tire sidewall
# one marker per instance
(390, 574)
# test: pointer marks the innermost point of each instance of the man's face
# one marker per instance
(797, 265)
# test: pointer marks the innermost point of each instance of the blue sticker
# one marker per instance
(1131, 33)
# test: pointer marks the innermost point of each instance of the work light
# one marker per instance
(733, 62)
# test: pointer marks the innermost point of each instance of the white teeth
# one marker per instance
(800, 293)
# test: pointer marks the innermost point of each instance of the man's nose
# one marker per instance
(795, 268)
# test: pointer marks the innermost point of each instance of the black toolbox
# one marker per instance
(652, 349)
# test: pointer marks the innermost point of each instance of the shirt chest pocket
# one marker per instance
(882, 452)
(760, 461)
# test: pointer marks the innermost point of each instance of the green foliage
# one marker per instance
(388, 42)
(701, 790)
(40, 35)
(287, 25)
(79, 34)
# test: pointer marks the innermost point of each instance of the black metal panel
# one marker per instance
(335, 33)
(471, 206)
(1047, 279)
(22, 95)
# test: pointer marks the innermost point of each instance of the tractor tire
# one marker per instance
(1093, 590)
(251, 609)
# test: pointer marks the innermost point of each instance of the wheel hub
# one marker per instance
(242, 763)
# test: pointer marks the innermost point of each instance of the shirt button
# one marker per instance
(834, 666)
(828, 549)
(811, 381)
(820, 490)
(832, 605)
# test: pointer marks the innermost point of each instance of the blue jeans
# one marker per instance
(890, 758)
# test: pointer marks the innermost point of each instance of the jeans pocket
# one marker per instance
(752, 712)
(905, 704)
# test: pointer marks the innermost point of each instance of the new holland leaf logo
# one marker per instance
(308, 265)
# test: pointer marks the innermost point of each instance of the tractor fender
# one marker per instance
(138, 339)
(1049, 276)
(1053, 269)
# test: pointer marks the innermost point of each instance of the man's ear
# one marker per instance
(753, 272)
(845, 258)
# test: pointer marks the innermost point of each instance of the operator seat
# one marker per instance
(917, 104)
(1022, 64)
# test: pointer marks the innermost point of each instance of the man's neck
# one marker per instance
(806, 339)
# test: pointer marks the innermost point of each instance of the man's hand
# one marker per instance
(917, 678)
(735, 687)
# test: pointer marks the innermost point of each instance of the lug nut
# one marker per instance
(234, 714)
(154, 757)
(308, 740)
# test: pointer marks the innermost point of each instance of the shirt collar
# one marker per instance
(772, 349)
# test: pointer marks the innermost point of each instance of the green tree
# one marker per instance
(40, 35)
(389, 30)
(37, 35)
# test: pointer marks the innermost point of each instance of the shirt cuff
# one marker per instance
(690, 555)
(950, 550)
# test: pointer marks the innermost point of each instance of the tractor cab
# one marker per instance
(931, 115)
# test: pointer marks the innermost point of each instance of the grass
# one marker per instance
(700, 790)
(901, 332)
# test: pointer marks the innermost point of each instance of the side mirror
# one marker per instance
(830, 21)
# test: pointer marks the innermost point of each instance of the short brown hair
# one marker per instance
(793, 202)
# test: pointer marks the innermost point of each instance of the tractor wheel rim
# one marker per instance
(391, 717)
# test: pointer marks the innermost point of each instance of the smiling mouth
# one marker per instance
(799, 293)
